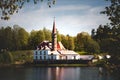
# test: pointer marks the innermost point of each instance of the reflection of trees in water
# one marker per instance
(116, 74)
(58, 73)
(109, 74)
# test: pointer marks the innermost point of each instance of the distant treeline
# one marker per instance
(17, 38)
(104, 39)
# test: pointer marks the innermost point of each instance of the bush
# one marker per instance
(6, 57)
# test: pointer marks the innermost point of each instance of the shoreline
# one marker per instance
(45, 65)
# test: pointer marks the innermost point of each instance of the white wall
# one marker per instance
(43, 55)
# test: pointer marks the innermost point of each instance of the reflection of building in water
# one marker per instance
(53, 50)
(55, 73)
(62, 73)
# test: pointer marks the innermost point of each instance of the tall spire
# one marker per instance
(54, 37)
(54, 27)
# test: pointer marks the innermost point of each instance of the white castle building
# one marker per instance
(54, 50)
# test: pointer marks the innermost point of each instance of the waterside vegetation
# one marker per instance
(105, 39)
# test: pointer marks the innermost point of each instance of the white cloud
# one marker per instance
(71, 23)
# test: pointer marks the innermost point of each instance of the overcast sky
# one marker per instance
(72, 16)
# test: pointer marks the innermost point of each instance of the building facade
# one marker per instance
(43, 55)
(54, 50)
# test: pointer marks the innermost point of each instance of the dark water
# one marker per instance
(55, 73)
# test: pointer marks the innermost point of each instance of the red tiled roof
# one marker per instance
(58, 46)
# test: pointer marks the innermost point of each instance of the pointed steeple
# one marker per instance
(54, 37)
(54, 27)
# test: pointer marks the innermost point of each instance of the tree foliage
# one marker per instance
(9, 7)
(84, 42)
(113, 12)
(6, 57)
(37, 37)
(13, 38)
(47, 34)
(108, 36)
(68, 42)
(18, 38)
(108, 39)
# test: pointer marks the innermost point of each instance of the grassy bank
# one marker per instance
(15, 57)
(60, 65)
(20, 57)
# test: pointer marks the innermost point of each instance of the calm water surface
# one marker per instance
(55, 73)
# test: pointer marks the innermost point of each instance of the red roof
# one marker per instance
(58, 46)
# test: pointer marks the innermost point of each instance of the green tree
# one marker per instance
(84, 42)
(80, 40)
(103, 32)
(32, 41)
(110, 40)
(64, 41)
(47, 34)
(6, 57)
(36, 37)
(2, 38)
(9, 7)
(23, 38)
(20, 38)
(113, 12)
(40, 36)
(70, 41)
(15, 37)
(91, 46)
(8, 38)
(58, 36)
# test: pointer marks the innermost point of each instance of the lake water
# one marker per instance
(55, 73)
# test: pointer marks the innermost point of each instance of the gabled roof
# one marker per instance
(60, 46)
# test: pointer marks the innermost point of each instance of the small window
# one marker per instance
(44, 52)
(44, 57)
(40, 53)
(66, 57)
(52, 56)
(36, 57)
(36, 52)
(40, 57)
(74, 57)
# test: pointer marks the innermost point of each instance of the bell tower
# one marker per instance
(54, 37)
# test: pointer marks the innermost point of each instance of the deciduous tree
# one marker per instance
(9, 7)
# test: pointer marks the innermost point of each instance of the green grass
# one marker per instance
(61, 65)
(82, 52)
